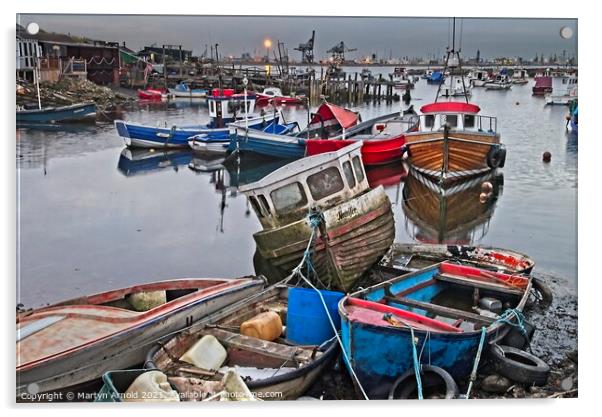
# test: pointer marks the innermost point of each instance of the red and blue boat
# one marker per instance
(441, 310)
(224, 107)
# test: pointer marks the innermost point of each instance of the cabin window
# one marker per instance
(289, 197)
(325, 183)
(469, 121)
(359, 169)
(452, 120)
(349, 174)
(212, 106)
(429, 120)
(264, 204)
(255, 206)
(564, 81)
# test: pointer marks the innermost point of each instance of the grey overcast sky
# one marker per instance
(387, 35)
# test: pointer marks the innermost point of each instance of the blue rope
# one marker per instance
(506, 318)
(416, 365)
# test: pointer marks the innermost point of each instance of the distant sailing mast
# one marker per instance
(453, 61)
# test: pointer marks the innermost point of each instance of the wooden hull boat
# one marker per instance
(76, 341)
(328, 121)
(383, 138)
(74, 113)
(142, 136)
(411, 256)
(273, 367)
(451, 215)
(356, 224)
(436, 303)
(447, 154)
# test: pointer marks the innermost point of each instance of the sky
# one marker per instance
(383, 36)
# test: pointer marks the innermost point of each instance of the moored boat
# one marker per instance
(273, 95)
(382, 137)
(74, 113)
(401, 79)
(183, 90)
(456, 86)
(543, 85)
(479, 77)
(353, 224)
(328, 121)
(564, 90)
(152, 94)
(520, 76)
(440, 311)
(224, 107)
(500, 81)
(76, 341)
(269, 367)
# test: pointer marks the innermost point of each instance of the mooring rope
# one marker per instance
(477, 359)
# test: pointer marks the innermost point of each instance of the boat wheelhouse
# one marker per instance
(454, 141)
(401, 78)
(356, 226)
(479, 77)
(564, 90)
(500, 81)
(520, 76)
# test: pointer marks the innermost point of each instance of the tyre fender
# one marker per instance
(431, 376)
(518, 365)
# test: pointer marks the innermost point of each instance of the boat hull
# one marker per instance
(461, 155)
(74, 113)
(354, 236)
(120, 350)
(374, 151)
(253, 140)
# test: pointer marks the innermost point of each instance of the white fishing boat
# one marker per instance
(564, 90)
(479, 77)
(520, 76)
(401, 78)
(456, 86)
(501, 81)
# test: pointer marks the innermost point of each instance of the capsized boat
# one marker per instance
(382, 137)
(74, 113)
(356, 226)
(273, 95)
(414, 256)
(267, 367)
(76, 341)
(183, 90)
(328, 121)
(441, 309)
(224, 107)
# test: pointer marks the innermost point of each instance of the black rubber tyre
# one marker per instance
(516, 339)
(431, 376)
(502, 157)
(546, 293)
(493, 157)
(518, 365)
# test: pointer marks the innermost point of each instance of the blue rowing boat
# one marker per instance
(224, 107)
(183, 90)
(256, 127)
(440, 312)
(74, 113)
(328, 121)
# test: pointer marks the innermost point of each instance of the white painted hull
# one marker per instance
(209, 147)
(562, 100)
(142, 143)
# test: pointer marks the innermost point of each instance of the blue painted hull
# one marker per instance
(73, 113)
(137, 135)
(266, 142)
(379, 354)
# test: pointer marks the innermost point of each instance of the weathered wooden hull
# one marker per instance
(288, 386)
(448, 215)
(460, 155)
(380, 353)
(119, 348)
(354, 236)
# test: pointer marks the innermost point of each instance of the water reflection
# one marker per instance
(146, 161)
(451, 215)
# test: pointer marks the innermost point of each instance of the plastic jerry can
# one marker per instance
(207, 353)
(264, 326)
(151, 386)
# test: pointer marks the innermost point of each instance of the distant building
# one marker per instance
(154, 54)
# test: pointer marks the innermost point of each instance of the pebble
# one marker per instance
(495, 383)
(567, 383)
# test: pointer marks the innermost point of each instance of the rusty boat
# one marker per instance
(278, 366)
(355, 227)
(73, 342)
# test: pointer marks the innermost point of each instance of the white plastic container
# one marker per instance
(151, 386)
(207, 353)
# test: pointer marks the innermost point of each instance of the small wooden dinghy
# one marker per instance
(279, 367)
(433, 308)
(410, 256)
(78, 340)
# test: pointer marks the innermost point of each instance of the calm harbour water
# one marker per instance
(91, 219)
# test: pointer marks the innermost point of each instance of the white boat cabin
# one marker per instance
(225, 106)
(565, 85)
(272, 92)
(458, 116)
(479, 75)
(326, 180)
(520, 74)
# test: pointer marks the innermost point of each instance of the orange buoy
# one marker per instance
(487, 187)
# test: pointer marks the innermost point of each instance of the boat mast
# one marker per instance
(453, 54)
